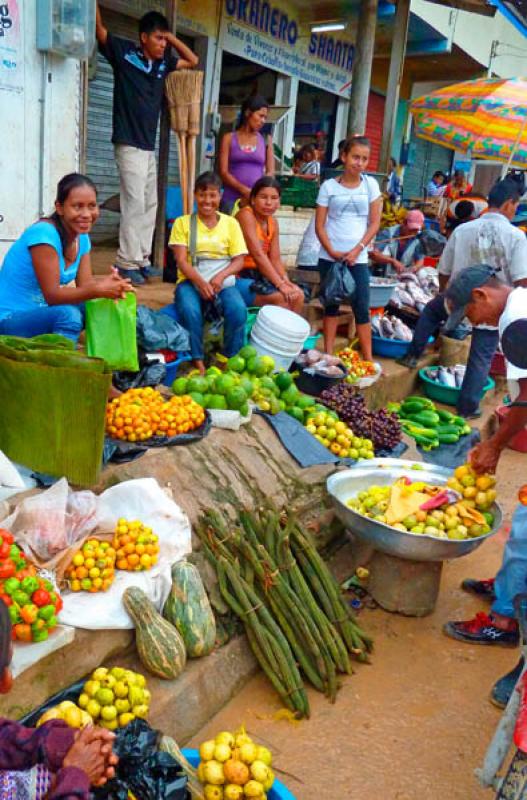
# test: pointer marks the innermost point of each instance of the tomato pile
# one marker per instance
(135, 545)
(356, 366)
(92, 568)
(140, 414)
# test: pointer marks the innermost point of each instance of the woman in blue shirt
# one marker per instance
(35, 295)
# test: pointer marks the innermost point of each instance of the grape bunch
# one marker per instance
(382, 427)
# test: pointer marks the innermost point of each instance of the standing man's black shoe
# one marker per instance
(408, 361)
(502, 689)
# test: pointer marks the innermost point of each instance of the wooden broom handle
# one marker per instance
(183, 170)
(191, 164)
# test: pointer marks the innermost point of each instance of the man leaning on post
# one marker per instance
(140, 70)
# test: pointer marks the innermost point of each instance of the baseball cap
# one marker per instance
(415, 220)
(459, 292)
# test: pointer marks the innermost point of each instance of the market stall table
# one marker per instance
(405, 570)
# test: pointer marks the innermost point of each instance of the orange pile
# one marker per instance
(139, 414)
(136, 546)
(92, 568)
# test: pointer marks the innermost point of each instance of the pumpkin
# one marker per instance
(189, 610)
(160, 647)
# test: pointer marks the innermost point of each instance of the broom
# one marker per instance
(184, 91)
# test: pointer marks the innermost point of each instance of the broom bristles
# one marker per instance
(184, 86)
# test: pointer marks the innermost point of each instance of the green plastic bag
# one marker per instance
(111, 332)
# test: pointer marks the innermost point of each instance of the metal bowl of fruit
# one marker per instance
(346, 486)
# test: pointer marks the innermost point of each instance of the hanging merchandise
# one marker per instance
(184, 89)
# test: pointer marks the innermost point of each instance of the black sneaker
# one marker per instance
(148, 271)
(408, 361)
(133, 275)
(482, 588)
(502, 689)
(473, 414)
(481, 630)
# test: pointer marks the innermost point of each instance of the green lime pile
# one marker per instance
(248, 376)
(233, 388)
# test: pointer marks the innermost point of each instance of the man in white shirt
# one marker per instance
(480, 294)
(490, 239)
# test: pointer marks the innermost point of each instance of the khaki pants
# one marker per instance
(138, 198)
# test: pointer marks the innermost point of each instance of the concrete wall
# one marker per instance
(37, 149)
(475, 33)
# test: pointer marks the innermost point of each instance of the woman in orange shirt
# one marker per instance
(264, 279)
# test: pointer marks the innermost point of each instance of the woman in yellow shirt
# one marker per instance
(209, 249)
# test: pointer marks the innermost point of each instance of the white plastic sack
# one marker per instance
(145, 500)
(49, 522)
(13, 479)
(228, 420)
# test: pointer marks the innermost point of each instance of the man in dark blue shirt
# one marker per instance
(139, 74)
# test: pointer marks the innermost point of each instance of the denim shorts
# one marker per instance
(361, 300)
(244, 287)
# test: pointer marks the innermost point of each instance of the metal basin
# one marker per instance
(414, 547)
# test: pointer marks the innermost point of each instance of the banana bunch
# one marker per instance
(391, 214)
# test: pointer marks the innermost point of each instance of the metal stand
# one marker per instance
(406, 587)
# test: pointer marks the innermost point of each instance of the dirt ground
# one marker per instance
(412, 726)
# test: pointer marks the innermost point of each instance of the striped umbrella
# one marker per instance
(487, 117)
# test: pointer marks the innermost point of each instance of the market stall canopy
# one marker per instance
(486, 117)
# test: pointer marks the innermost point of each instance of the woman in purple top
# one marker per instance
(245, 156)
(54, 761)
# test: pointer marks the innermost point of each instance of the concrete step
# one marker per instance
(182, 707)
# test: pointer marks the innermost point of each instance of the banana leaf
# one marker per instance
(53, 404)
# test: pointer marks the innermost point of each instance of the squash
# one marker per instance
(189, 610)
(160, 647)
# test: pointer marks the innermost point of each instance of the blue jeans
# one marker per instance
(190, 307)
(66, 320)
(432, 317)
(360, 303)
(482, 348)
(512, 576)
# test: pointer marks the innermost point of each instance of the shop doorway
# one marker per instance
(241, 78)
(315, 118)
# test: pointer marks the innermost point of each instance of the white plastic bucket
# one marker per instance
(283, 322)
(282, 360)
(283, 343)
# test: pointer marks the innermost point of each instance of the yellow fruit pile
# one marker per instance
(67, 711)
(140, 414)
(136, 546)
(478, 490)
(233, 767)
(92, 568)
(391, 214)
(114, 697)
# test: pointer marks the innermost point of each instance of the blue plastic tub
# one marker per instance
(278, 792)
(389, 348)
(172, 369)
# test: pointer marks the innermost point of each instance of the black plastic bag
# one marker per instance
(158, 331)
(151, 373)
(148, 773)
(338, 287)
(119, 451)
